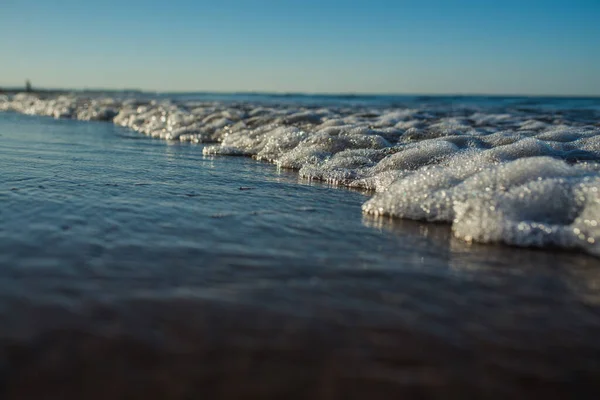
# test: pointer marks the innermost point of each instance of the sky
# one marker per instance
(325, 46)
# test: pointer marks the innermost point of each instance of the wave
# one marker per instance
(524, 176)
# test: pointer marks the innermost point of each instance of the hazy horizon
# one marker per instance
(21, 88)
(387, 47)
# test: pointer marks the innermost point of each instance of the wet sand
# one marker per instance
(362, 335)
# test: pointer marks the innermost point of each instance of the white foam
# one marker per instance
(519, 177)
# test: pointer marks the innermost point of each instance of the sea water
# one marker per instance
(229, 275)
(507, 171)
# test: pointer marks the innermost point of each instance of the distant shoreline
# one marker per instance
(45, 91)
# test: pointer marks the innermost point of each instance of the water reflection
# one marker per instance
(574, 272)
(438, 233)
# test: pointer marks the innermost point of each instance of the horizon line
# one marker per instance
(21, 89)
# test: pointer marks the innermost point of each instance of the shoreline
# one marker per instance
(13, 91)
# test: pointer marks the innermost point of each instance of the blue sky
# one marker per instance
(377, 46)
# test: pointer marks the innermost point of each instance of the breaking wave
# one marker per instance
(520, 176)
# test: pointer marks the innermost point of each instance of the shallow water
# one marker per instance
(139, 262)
(95, 194)
(518, 171)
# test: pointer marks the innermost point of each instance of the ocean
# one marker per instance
(298, 246)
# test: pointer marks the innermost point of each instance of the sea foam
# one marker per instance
(522, 177)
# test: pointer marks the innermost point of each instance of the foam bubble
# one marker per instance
(533, 201)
